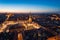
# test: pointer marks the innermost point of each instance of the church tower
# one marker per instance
(30, 18)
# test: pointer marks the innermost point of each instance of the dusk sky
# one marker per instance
(29, 5)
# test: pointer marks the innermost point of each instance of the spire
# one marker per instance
(30, 17)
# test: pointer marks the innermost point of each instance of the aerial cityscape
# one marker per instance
(29, 19)
(29, 26)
